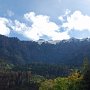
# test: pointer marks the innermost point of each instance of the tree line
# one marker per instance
(19, 77)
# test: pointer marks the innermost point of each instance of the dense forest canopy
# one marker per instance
(33, 77)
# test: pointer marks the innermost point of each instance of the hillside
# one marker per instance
(68, 52)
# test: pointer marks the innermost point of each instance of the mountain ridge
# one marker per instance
(68, 52)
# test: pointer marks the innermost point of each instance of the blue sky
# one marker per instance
(45, 19)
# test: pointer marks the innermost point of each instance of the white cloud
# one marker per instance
(41, 25)
(77, 21)
(4, 29)
(18, 26)
(10, 13)
(67, 12)
(37, 26)
(60, 36)
(62, 17)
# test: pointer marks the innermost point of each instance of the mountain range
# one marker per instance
(67, 52)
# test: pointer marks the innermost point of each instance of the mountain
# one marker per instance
(68, 52)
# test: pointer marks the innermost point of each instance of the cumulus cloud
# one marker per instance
(38, 26)
(60, 36)
(4, 29)
(18, 26)
(41, 25)
(62, 18)
(77, 21)
(35, 27)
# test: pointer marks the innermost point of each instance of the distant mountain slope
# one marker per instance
(70, 51)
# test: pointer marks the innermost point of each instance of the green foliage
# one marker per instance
(48, 70)
(75, 80)
(72, 82)
(37, 79)
(5, 66)
(47, 85)
(19, 77)
(85, 65)
(86, 80)
(61, 84)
